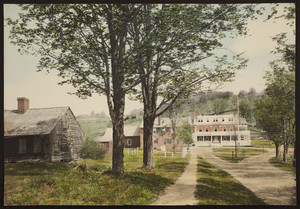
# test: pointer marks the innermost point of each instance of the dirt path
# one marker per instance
(274, 186)
(182, 192)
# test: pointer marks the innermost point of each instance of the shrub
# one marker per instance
(92, 150)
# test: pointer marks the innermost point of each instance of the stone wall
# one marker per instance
(68, 138)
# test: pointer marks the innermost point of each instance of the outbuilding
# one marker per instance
(41, 134)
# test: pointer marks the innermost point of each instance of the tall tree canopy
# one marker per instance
(87, 44)
(171, 41)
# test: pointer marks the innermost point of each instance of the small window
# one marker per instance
(223, 119)
(224, 128)
(165, 141)
(169, 141)
(216, 128)
(155, 140)
(214, 120)
(22, 146)
(201, 120)
(230, 119)
(200, 129)
(231, 128)
(37, 145)
(129, 142)
(206, 129)
(217, 119)
(207, 120)
(242, 137)
(198, 120)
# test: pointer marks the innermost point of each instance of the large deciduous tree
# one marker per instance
(268, 119)
(87, 45)
(281, 80)
(170, 42)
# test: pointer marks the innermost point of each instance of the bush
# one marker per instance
(92, 150)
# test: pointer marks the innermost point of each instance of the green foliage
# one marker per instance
(184, 132)
(217, 187)
(91, 150)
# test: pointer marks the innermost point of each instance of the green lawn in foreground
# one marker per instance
(60, 184)
(282, 165)
(226, 153)
(217, 187)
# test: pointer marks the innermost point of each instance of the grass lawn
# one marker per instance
(217, 187)
(282, 165)
(226, 153)
(61, 184)
(262, 143)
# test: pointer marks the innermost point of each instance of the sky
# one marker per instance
(22, 80)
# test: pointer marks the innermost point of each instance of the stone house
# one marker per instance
(42, 134)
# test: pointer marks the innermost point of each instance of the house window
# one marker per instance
(22, 146)
(216, 119)
(167, 140)
(230, 119)
(223, 119)
(198, 120)
(242, 137)
(231, 128)
(155, 140)
(37, 145)
(199, 138)
(207, 120)
(201, 120)
(224, 128)
(226, 138)
(216, 128)
(206, 129)
(168, 130)
(200, 129)
(129, 142)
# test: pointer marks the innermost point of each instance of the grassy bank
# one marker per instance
(217, 187)
(242, 153)
(61, 184)
(283, 165)
(262, 143)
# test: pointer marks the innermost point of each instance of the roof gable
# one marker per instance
(35, 121)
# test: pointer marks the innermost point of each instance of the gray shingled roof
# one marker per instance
(35, 121)
(128, 131)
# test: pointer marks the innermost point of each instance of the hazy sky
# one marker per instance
(22, 80)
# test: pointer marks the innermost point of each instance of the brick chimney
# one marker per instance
(158, 120)
(196, 114)
(23, 104)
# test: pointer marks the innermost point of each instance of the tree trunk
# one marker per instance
(148, 162)
(277, 149)
(118, 136)
(285, 144)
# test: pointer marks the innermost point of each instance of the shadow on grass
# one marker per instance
(34, 169)
(217, 187)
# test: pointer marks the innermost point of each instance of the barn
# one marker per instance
(41, 134)
(132, 138)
